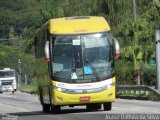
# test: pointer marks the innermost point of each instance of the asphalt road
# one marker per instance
(27, 107)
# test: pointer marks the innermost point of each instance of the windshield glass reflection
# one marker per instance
(85, 58)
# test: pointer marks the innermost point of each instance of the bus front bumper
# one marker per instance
(61, 98)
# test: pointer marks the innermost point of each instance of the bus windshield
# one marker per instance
(5, 74)
(82, 58)
(9, 82)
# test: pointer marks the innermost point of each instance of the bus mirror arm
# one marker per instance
(46, 51)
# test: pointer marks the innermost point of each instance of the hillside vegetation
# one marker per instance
(19, 20)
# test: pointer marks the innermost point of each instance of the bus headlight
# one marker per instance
(59, 89)
(110, 85)
(107, 86)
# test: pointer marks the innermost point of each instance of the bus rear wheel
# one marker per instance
(55, 109)
(46, 108)
(107, 106)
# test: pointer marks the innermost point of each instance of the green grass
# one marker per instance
(132, 94)
(32, 88)
(154, 97)
(150, 96)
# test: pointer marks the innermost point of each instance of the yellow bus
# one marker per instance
(75, 63)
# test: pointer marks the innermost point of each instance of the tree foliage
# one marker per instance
(20, 18)
(10, 57)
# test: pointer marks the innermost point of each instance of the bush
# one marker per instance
(124, 72)
(150, 77)
(154, 97)
(31, 89)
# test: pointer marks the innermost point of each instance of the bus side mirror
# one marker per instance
(46, 51)
(116, 47)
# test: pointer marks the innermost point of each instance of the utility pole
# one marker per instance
(157, 41)
(19, 78)
(134, 10)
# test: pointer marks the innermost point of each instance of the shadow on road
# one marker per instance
(28, 113)
(66, 111)
(63, 115)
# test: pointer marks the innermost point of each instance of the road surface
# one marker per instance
(27, 107)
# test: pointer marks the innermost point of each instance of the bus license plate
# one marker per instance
(85, 98)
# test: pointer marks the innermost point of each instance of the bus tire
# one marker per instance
(46, 108)
(107, 106)
(93, 106)
(55, 109)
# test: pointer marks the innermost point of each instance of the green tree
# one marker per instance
(9, 59)
(21, 18)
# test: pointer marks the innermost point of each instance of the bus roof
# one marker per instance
(78, 25)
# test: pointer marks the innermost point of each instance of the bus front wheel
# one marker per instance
(46, 108)
(55, 109)
(107, 106)
(93, 106)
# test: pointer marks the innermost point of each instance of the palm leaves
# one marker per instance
(138, 47)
